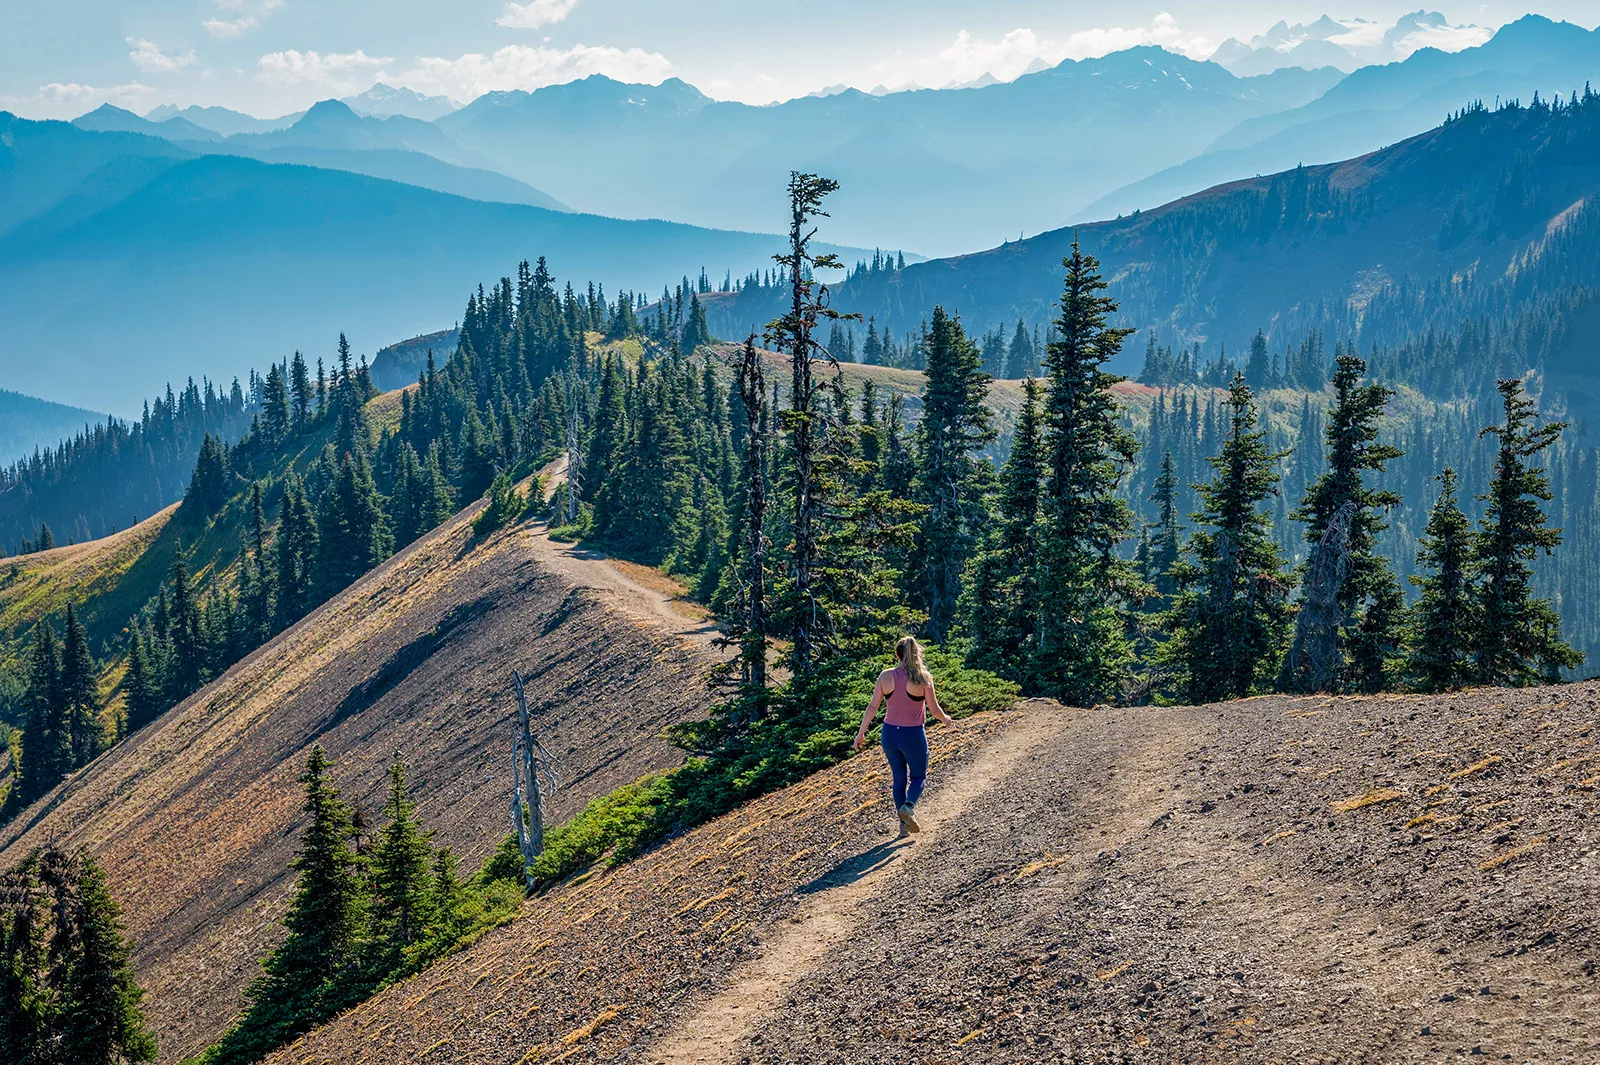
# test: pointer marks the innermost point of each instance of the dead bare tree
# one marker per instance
(534, 775)
(1313, 661)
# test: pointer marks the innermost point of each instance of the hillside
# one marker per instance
(1267, 880)
(1421, 231)
(194, 816)
(27, 423)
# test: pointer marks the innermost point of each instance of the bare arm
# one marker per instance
(938, 711)
(872, 712)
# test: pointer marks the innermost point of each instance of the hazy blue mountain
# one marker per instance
(27, 423)
(332, 124)
(44, 163)
(108, 118)
(411, 168)
(48, 163)
(937, 170)
(1371, 250)
(385, 101)
(219, 263)
(1380, 105)
(221, 119)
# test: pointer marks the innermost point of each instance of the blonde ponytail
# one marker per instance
(909, 652)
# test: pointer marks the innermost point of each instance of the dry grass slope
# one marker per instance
(196, 816)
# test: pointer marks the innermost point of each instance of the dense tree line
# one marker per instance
(68, 992)
(114, 474)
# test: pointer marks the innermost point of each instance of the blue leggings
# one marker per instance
(906, 747)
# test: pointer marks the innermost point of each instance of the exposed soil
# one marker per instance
(196, 817)
(1379, 879)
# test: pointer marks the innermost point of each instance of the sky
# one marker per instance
(60, 58)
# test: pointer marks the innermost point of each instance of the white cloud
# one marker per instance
(1444, 38)
(520, 66)
(230, 29)
(148, 57)
(70, 99)
(234, 28)
(343, 72)
(535, 13)
(969, 57)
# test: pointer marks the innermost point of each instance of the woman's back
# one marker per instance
(903, 708)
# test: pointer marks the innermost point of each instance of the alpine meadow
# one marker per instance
(1075, 545)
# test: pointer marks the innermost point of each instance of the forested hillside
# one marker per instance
(1476, 232)
(27, 423)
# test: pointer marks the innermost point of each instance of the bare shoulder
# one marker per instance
(886, 678)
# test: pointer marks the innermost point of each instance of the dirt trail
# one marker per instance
(633, 590)
(831, 908)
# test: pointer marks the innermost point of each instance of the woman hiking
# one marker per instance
(909, 691)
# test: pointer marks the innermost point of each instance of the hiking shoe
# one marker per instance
(908, 819)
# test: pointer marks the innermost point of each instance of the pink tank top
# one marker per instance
(903, 708)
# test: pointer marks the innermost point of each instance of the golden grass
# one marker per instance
(578, 1035)
(1049, 861)
(1111, 974)
(1373, 797)
(1511, 855)
(969, 1037)
(1424, 819)
(1475, 768)
(1277, 836)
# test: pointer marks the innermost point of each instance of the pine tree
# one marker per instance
(792, 333)
(79, 693)
(1164, 544)
(301, 394)
(401, 867)
(1082, 654)
(1002, 596)
(302, 979)
(1229, 614)
(209, 485)
(257, 590)
(102, 1023)
(47, 743)
(1443, 624)
(275, 406)
(296, 549)
(185, 633)
(353, 532)
(141, 684)
(1369, 596)
(951, 480)
(1519, 636)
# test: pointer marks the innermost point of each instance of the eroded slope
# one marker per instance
(196, 817)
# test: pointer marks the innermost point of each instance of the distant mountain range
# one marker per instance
(1481, 218)
(333, 136)
(1379, 105)
(934, 170)
(126, 260)
(27, 423)
(1347, 45)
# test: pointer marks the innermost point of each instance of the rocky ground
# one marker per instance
(1387, 879)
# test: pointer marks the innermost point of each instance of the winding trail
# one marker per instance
(639, 593)
(830, 909)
